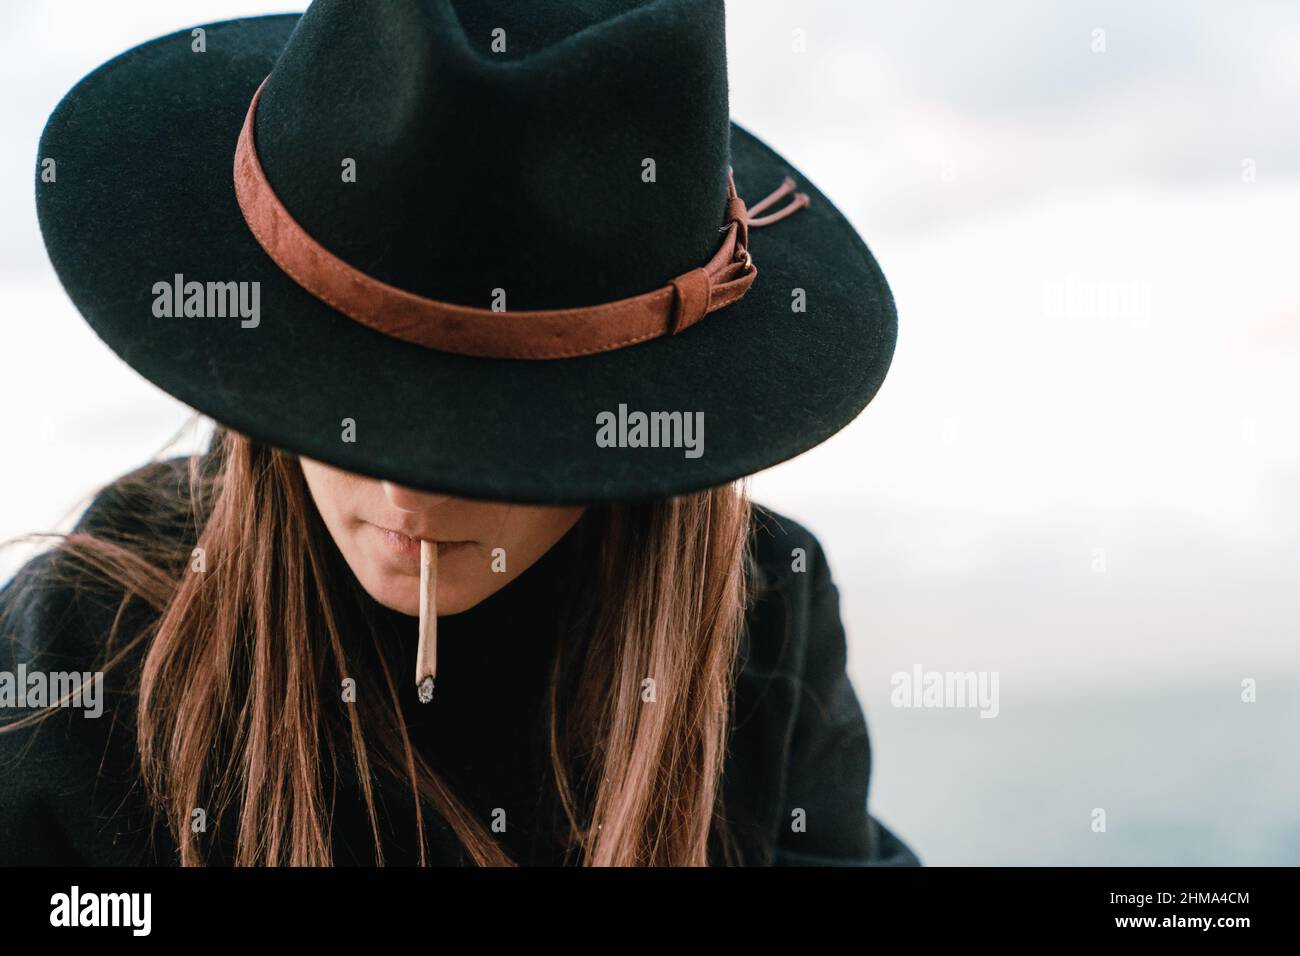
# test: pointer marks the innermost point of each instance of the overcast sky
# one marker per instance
(1094, 255)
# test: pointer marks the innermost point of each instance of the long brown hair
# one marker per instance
(229, 712)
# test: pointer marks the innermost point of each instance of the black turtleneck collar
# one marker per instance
(485, 731)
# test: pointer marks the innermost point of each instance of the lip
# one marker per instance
(407, 547)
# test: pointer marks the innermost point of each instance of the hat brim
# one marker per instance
(143, 150)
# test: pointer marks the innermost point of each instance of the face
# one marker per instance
(378, 527)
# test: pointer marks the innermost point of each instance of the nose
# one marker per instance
(408, 499)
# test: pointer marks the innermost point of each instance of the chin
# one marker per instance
(401, 596)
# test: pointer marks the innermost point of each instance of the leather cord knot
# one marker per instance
(732, 271)
(746, 217)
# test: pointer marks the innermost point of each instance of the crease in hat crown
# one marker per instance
(526, 175)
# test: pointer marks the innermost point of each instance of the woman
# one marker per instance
(418, 304)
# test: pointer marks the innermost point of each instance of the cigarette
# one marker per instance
(426, 660)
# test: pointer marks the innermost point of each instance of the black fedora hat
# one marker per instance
(498, 249)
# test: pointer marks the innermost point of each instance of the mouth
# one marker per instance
(407, 548)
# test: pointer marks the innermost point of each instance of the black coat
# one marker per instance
(69, 788)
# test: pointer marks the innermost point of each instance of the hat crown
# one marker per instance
(566, 153)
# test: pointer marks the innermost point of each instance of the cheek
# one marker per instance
(523, 535)
(335, 493)
(532, 531)
(545, 527)
(335, 499)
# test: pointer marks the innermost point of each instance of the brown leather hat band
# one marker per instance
(542, 334)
